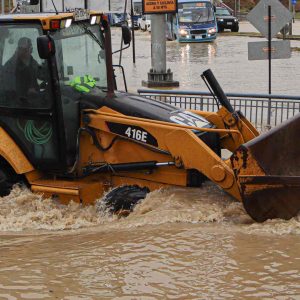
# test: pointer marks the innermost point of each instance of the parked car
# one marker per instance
(226, 20)
(145, 23)
(117, 19)
(135, 21)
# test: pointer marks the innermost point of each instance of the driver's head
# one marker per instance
(24, 47)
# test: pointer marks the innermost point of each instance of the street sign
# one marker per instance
(159, 6)
(259, 50)
(258, 17)
(294, 2)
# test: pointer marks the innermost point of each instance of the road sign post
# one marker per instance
(269, 17)
(270, 60)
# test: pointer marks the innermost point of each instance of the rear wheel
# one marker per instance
(121, 200)
(8, 178)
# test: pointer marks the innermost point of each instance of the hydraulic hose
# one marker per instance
(35, 135)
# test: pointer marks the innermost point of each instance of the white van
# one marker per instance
(145, 23)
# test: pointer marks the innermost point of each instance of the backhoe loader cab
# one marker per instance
(39, 98)
(68, 133)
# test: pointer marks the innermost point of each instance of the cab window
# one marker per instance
(24, 76)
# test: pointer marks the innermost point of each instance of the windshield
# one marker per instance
(195, 12)
(222, 12)
(80, 52)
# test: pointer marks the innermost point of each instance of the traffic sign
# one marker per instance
(294, 2)
(280, 16)
(260, 50)
(159, 6)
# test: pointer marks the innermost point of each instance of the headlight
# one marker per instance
(212, 30)
(183, 32)
(93, 20)
(221, 20)
(235, 20)
(68, 23)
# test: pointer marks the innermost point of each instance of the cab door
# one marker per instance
(27, 105)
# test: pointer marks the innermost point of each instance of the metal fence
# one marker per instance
(262, 110)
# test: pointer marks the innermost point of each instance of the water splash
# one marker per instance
(280, 227)
(23, 210)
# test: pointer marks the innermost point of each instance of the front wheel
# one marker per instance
(235, 29)
(121, 200)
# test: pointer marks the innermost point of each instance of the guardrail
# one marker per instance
(263, 110)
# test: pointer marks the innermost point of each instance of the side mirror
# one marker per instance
(34, 2)
(126, 34)
(46, 46)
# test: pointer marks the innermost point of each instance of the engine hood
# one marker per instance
(141, 107)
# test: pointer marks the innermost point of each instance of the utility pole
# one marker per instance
(290, 24)
(108, 5)
(132, 29)
(2, 7)
(158, 75)
(235, 8)
(121, 46)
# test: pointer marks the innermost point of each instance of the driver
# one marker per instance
(21, 71)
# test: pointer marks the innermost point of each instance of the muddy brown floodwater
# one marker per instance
(179, 243)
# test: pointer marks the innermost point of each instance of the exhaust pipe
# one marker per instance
(212, 82)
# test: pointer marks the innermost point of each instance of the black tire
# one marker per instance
(7, 178)
(235, 29)
(124, 198)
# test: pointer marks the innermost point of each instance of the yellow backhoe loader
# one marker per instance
(67, 133)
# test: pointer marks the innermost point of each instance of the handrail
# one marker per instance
(199, 93)
(263, 110)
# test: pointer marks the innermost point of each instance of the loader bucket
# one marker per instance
(268, 171)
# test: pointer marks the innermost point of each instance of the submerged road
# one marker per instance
(227, 56)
